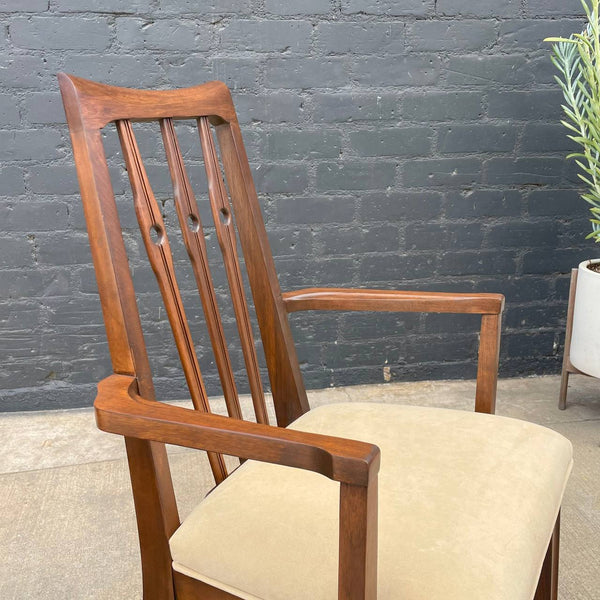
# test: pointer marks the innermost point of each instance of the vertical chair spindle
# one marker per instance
(193, 237)
(222, 215)
(159, 253)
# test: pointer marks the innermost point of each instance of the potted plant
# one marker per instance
(577, 59)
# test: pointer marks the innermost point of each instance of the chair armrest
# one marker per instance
(120, 409)
(392, 300)
(489, 306)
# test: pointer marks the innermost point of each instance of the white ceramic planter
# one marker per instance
(585, 340)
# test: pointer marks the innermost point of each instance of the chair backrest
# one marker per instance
(89, 108)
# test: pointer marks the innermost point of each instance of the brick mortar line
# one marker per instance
(161, 60)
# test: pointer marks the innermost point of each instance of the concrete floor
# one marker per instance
(67, 526)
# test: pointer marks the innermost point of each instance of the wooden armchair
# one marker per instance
(464, 505)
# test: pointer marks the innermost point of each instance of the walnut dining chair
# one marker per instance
(354, 501)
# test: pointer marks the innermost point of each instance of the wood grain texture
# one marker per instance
(357, 578)
(101, 104)
(487, 363)
(193, 236)
(490, 306)
(120, 409)
(223, 218)
(392, 300)
(547, 588)
(287, 387)
(156, 242)
(117, 296)
(156, 514)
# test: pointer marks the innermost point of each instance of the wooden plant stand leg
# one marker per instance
(567, 366)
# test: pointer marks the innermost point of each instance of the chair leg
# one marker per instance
(547, 588)
(156, 514)
(357, 574)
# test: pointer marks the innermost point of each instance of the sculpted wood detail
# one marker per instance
(159, 253)
(193, 237)
(223, 219)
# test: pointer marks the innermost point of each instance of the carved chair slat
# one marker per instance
(193, 237)
(157, 245)
(224, 225)
(289, 395)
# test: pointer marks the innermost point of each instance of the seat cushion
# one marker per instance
(467, 505)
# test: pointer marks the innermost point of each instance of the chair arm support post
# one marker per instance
(357, 575)
(119, 409)
(487, 364)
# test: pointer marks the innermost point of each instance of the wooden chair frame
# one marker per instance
(126, 403)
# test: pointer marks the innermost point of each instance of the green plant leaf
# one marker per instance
(577, 60)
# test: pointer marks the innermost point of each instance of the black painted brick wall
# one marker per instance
(407, 144)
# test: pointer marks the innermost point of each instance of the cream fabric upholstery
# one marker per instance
(467, 504)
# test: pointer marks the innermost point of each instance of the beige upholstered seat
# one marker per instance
(467, 503)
